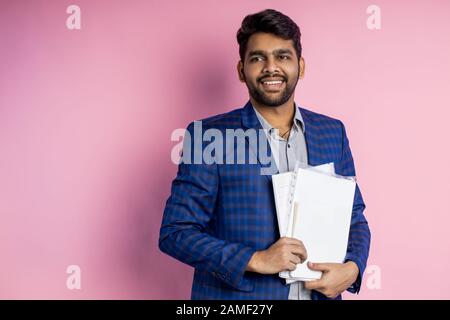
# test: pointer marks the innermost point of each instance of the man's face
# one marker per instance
(270, 69)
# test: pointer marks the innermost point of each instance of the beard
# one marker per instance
(273, 99)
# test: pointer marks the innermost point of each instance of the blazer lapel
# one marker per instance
(312, 132)
(251, 121)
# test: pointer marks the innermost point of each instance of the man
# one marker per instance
(221, 218)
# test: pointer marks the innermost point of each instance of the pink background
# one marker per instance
(86, 118)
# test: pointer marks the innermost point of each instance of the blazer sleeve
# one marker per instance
(359, 237)
(184, 230)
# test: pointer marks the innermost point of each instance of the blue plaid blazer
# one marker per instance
(218, 215)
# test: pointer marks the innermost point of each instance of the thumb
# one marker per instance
(319, 266)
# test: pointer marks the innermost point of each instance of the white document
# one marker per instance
(283, 187)
(320, 217)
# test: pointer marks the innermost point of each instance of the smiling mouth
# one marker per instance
(272, 85)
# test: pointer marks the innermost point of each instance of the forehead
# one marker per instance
(268, 42)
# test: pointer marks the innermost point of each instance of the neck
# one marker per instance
(280, 117)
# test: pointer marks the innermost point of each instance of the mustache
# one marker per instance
(274, 77)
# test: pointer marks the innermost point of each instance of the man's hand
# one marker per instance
(336, 277)
(284, 254)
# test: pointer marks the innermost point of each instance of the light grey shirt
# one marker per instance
(286, 153)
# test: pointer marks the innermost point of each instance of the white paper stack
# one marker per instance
(314, 205)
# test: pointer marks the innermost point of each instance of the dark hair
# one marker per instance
(269, 21)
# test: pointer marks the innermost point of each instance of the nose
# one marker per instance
(270, 66)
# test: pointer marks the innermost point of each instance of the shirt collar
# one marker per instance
(299, 124)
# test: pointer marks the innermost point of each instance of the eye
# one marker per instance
(255, 59)
(284, 57)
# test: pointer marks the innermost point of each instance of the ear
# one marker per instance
(301, 72)
(240, 71)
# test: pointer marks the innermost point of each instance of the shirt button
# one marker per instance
(289, 145)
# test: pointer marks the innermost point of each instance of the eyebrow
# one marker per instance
(275, 52)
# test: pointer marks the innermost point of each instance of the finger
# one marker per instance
(300, 252)
(313, 285)
(301, 255)
(319, 266)
(291, 266)
(295, 259)
(293, 241)
(298, 245)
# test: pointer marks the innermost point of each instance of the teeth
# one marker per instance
(272, 82)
